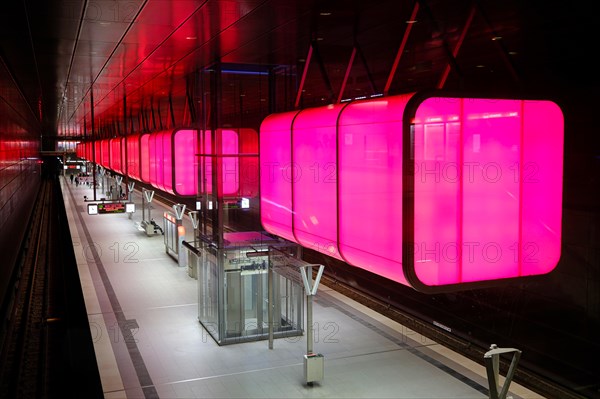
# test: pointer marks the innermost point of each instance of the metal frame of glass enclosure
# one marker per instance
(233, 290)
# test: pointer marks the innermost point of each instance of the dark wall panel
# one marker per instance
(19, 176)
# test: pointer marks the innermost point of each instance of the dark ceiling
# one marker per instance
(141, 52)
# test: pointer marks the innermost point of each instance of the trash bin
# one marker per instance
(313, 367)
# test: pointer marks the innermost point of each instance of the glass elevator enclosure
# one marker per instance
(233, 290)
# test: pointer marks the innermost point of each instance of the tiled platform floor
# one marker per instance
(133, 288)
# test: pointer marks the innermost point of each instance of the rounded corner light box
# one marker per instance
(433, 190)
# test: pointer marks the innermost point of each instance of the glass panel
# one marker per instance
(133, 156)
(230, 165)
(208, 297)
(152, 159)
(370, 185)
(115, 155)
(314, 178)
(105, 153)
(248, 176)
(541, 177)
(488, 189)
(275, 164)
(436, 133)
(145, 157)
(167, 162)
(490, 198)
(186, 162)
(233, 304)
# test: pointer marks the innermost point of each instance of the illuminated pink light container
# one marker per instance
(169, 161)
(145, 157)
(185, 166)
(89, 150)
(132, 163)
(160, 157)
(97, 150)
(105, 153)
(238, 154)
(115, 155)
(478, 200)
(80, 150)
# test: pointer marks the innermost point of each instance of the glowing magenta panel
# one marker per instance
(485, 198)
(230, 165)
(541, 208)
(185, 148)
(160, 158)
(370, 188)
(488, 196)
(115, 155)
(145, 157)
(167, 162)
(154, 154)
(133, 156)
(275, 163)
(105, 153)
(314, 175)
(88, 151)
(248, 175)
(98, 151)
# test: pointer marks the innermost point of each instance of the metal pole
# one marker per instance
(495, 364)
(143, 205)
(270, 309)
(309, 315)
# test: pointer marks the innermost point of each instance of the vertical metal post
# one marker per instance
(309, 314)
(217, 159)
(495, 362)
(492, 365)
(143, 205)
(93, 139)
(130, 186)
(270, 309)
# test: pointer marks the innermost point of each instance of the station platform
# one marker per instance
(142, 310)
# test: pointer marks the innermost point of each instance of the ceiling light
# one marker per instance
(496, 37)
(325, 13)
(479, 66)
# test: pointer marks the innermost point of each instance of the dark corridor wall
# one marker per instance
(19, 177)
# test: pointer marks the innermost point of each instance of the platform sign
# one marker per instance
(110, 207)
(241, 203)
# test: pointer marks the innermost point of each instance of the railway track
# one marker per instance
(24, 358)
(47, 349)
